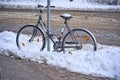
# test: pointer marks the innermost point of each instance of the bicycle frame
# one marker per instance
(40, 24)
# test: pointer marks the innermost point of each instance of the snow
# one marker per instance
(104, 62)
(76, 4)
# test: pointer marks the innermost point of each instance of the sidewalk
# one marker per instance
(13, 69)
(16, 69)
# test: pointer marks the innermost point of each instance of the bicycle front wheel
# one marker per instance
(79, 39)
(30, 37)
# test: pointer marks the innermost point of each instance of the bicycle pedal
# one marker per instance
(59, 38)
(55, 50)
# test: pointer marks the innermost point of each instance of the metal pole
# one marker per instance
(48, 23)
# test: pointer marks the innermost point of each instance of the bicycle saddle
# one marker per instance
(66, 16)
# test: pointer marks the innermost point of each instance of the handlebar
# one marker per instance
(41, 7)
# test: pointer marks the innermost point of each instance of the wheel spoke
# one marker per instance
(80, 38)
(29, 40)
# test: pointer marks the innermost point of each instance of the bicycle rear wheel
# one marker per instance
(79, 39)
(30, 37)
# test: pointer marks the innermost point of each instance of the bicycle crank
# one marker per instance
(57, 46)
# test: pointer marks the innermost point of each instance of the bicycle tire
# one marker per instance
(82, 38)
(26, 33)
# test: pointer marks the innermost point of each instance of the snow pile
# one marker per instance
(104, 62)
(76, 4)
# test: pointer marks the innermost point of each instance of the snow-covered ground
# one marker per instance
(104, 62)
(60, 4)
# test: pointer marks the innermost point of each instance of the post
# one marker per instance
(48, 23)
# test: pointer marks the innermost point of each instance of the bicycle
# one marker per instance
(30, 36)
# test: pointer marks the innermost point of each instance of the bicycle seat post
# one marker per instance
(66, 25)
(66, 17)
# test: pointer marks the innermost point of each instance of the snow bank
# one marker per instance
(60, 4)
(104, 62)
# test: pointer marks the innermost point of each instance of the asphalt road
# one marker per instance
(13, 69)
